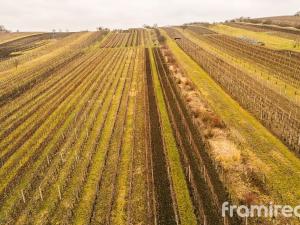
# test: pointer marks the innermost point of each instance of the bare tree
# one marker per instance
(53, 33)
(2, 29)
(146, 26)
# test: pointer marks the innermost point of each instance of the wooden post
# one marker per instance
(62, 159)
(59, 193)
(23, 196)
(189, 173)
(41, 194)
(48, 161)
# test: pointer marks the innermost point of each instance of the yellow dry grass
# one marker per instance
(270, 40)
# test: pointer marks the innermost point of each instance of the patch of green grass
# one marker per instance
(184, 202)
(283, 165)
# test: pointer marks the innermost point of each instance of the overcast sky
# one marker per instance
(43, 15)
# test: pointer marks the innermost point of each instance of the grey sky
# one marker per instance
(42, 15)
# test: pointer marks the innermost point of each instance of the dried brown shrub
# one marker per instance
(249, 198)
(216, 122)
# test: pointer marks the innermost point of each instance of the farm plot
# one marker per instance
(75, 140)
(201, 30)
(258, 148)
(292, 34)
(163, 194)
(267, 39)
(206, 199)
(27, 60)
(181, 201)
(11, 36)
(282, 64)
(15, 83)
(285, 65)
(85, 110)
(125, 38)
(97, 130)
(262, 74)
(27, 43)
(266, 105)
(282, 21)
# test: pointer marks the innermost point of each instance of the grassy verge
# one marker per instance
(185, 207)
(272, 157)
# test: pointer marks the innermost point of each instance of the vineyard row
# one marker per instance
(274, 111)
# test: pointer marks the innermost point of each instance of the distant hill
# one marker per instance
(284, 21)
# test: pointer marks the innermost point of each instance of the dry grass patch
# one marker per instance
(242, 177)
